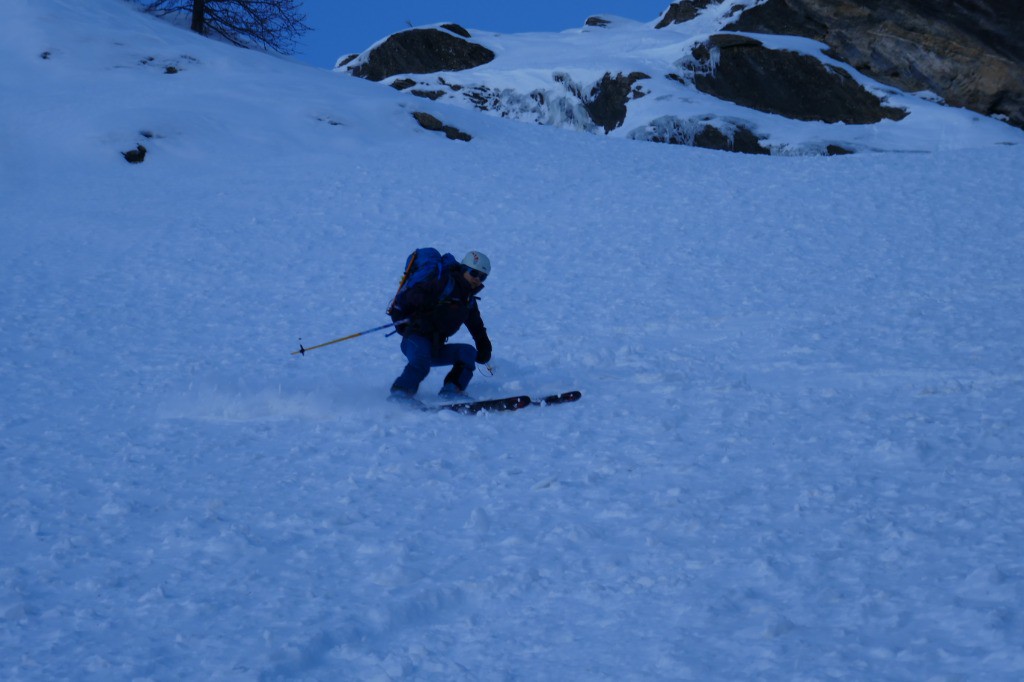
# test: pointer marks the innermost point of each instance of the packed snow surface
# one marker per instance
(799, 453)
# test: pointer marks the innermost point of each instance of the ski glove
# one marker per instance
(483, 351)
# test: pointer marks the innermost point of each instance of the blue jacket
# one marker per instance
(437, 315)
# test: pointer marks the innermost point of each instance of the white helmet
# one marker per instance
(477, 261)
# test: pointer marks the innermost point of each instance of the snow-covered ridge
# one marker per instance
(776, 94)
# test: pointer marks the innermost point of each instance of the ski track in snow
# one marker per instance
(798, 453)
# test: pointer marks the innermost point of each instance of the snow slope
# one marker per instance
(798, 454)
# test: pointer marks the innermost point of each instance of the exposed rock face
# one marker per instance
(679, 12)
(457, 30)
(607, 102)
(432, 123)
(713, 83)
(744, 71)
(723, 135)
(422, 50)
(970, 52)
(601, 106)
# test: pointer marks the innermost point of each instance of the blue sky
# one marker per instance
(342, 28)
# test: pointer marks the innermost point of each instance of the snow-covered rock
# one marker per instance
(682, 79)
(969, 53)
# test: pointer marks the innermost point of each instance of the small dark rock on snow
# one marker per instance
(432, 123)
(137, 155)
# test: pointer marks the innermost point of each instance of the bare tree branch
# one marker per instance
(269, 24)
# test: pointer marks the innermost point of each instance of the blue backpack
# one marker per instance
(421, 265)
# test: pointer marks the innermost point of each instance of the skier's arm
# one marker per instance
(475, 325)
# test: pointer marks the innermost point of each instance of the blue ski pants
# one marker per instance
(422, 356)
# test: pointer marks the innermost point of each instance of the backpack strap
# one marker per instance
(449, 286)
(447, 261)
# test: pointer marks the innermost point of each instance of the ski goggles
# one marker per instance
(476, 274)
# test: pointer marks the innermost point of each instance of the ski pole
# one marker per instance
(302, 349)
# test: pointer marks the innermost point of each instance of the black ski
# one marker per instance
(509, 404)
(494, 405)
(506, 404)
(558, 398)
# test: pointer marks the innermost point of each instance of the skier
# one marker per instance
(436, 308)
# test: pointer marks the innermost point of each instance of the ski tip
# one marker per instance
(558, 398)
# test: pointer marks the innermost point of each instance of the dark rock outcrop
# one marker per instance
(406, 83)
(457, 30)
(680, 12)
(724, 79)
(723, 135)
(434, 124)
(421, 50)
(606, 104)
(836, 150)
(345, 60)
(969, 52)
(429, 94)
(742, 70)
(742, 140)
